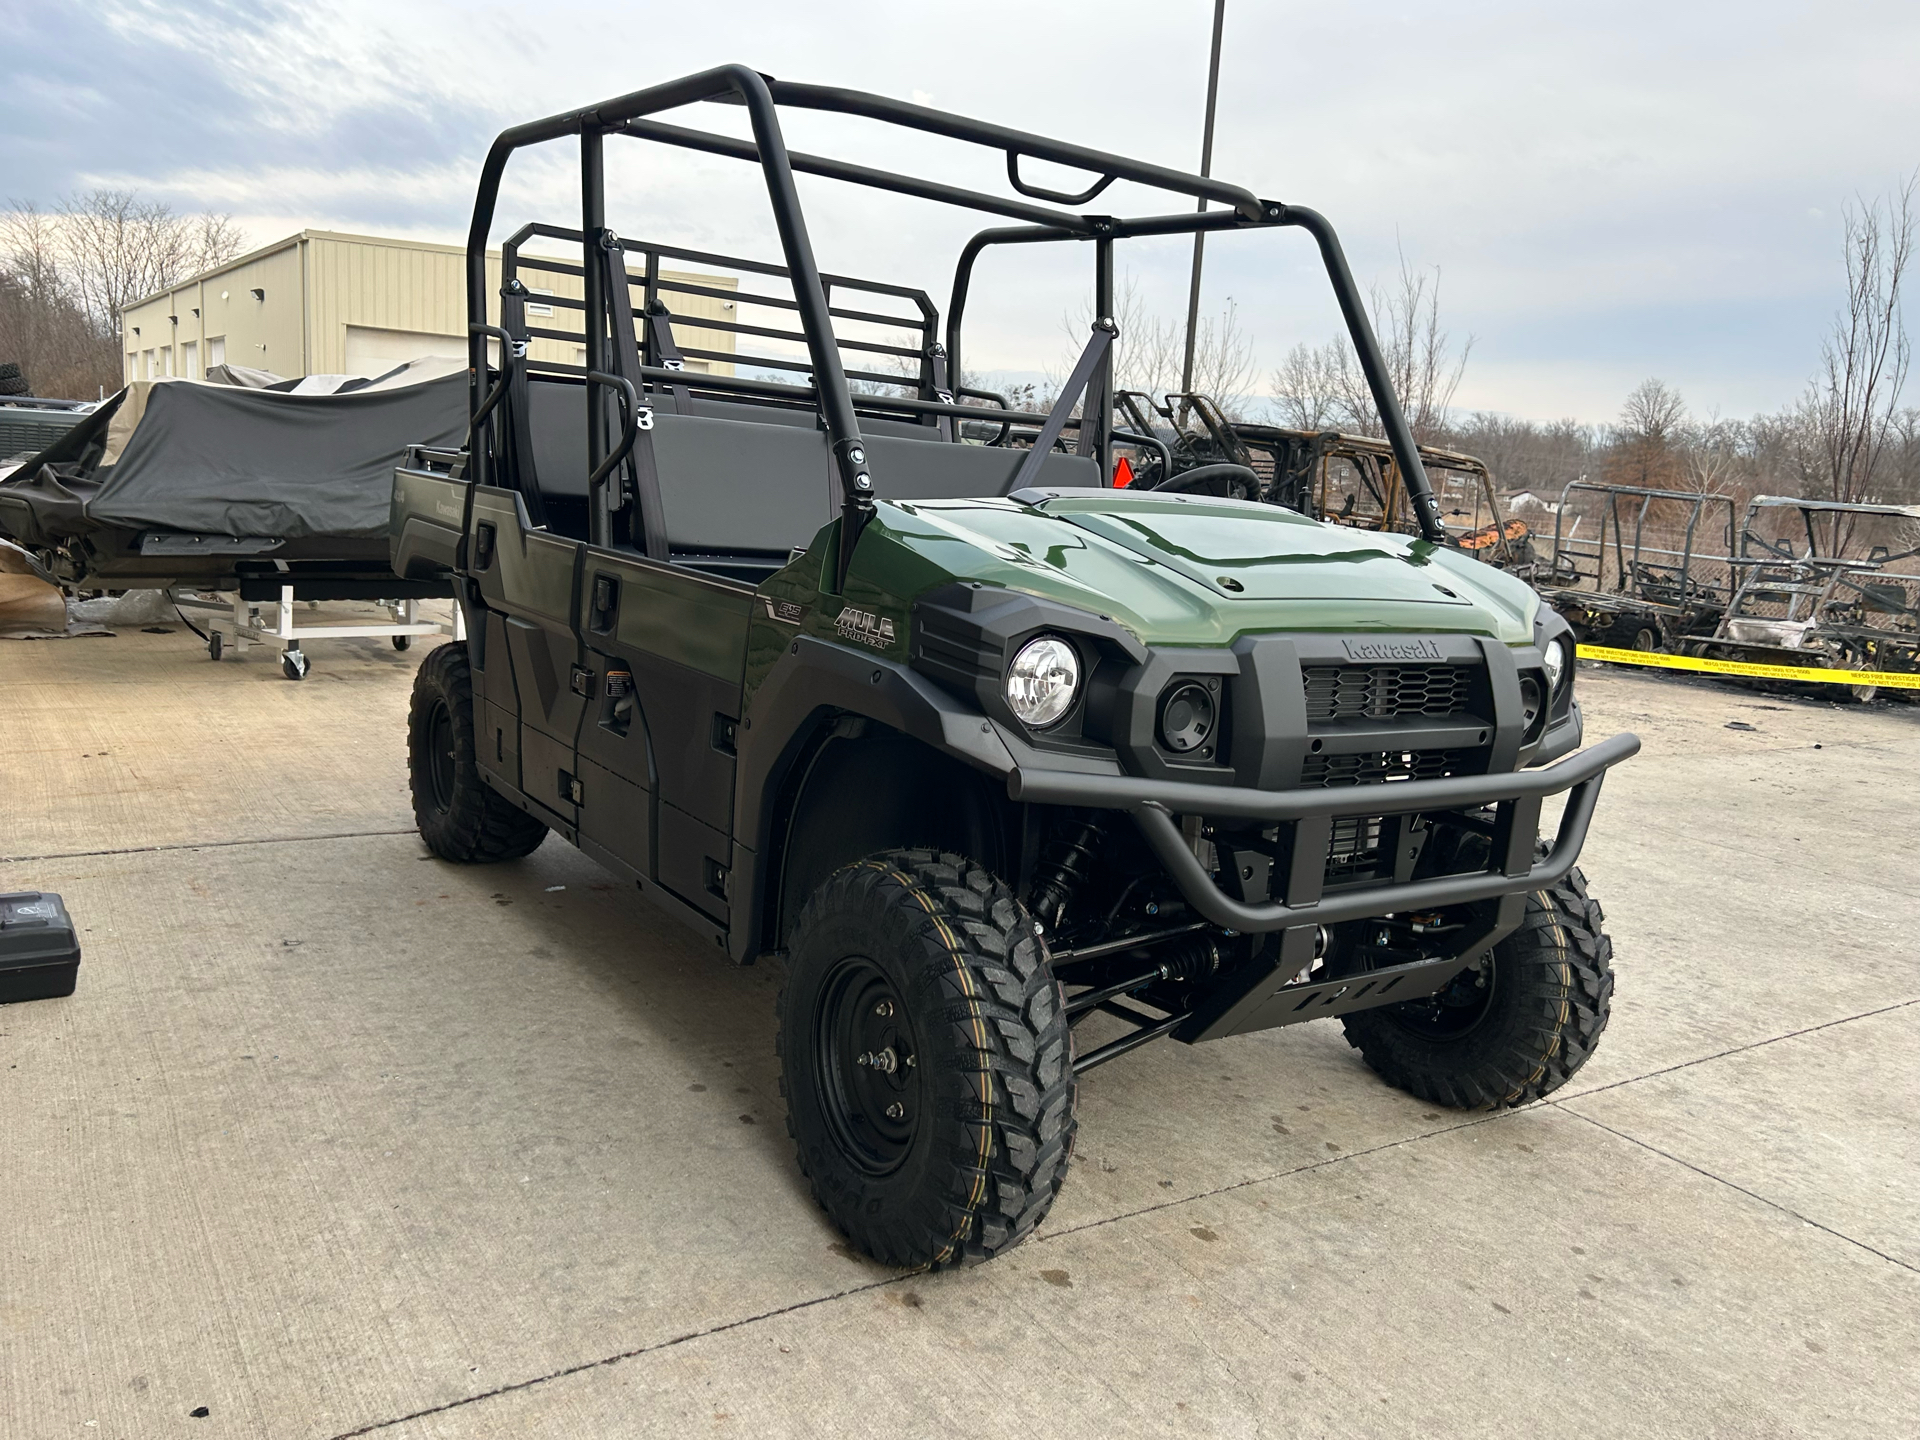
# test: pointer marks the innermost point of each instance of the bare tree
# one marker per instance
(66, 273)
(1422, 366)
(1711, 455)
(1524, 455)
(1316, 386)
(1644, 442)
(1223, 361)
(1309, 387)
(1149, 351)
(116, 248)
(43, 327)
(1851, 404)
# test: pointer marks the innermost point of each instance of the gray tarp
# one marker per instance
(220, 460)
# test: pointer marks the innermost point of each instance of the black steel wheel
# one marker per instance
(867, 1067)
(926, 1060)
(442, 761)
(1511, 1029)
(459, 816)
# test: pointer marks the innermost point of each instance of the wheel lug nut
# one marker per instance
(896, 1110)
(883, 1009)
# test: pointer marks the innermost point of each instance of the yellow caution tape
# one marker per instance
(1889, 679)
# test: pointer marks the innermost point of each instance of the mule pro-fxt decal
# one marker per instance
(865, 627)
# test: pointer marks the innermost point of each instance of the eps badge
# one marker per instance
(865, 627)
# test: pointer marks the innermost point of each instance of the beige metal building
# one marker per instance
(319, 303)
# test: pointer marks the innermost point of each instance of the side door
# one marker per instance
(666, 648)
(530, 692)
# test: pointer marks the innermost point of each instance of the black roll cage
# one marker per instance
(762, 95)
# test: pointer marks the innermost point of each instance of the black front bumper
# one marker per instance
(1512, 869)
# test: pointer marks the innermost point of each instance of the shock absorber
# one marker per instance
(1062, 872)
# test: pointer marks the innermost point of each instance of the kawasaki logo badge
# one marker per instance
(865, 627)
(1391, 650)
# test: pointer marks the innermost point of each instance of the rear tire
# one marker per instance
(926, 1060)
(1512, 1029)
(459, 816)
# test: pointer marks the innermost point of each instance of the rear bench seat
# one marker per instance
(749, 483)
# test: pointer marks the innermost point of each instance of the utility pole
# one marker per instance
(1206, 172)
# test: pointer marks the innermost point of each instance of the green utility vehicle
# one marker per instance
(1011, 771)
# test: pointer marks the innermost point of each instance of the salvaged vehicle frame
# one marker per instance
(1658, 597)
(759, 737)
(1813, 607)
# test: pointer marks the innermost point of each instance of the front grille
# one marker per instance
(1354, 851)
(1380, 692)
(1380, 766)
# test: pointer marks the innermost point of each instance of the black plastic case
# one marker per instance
(39, 953)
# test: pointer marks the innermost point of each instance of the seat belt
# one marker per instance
(640, 465)
(1097, 346)
(937, 373)
(660, 336)
(517, 412)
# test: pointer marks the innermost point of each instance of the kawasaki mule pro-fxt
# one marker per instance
(1013, 771)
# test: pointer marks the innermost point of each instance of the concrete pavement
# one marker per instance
(336, 1139)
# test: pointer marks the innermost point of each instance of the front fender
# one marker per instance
(816, 677)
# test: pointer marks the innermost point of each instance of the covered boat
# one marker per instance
(232, 488)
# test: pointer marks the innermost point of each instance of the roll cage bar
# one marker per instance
(762, 96)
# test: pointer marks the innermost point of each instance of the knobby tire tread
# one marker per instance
(481, 826)
(1005, 1121)
(1558, 969)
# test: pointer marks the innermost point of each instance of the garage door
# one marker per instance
(373, 352)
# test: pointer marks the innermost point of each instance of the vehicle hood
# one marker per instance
(1193, 570)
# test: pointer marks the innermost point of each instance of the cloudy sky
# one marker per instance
(1610, 191)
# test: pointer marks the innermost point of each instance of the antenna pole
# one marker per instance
(1206, 172)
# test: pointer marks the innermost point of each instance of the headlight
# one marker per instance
(1558, 654)
(1042, 680)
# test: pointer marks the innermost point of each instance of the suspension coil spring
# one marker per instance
(1062, 872)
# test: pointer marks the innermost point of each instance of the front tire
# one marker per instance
(459, 816)
(1511, 1029)
(926, 1060)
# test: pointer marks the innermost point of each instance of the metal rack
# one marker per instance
(238, 621)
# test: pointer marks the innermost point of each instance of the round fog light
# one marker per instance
(1187, 718)
(1042, 680)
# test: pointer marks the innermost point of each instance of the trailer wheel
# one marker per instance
(294, 663)
(926, 1060)
(214, 646)
(1514, 1027)
(401, 642)
(459, 816)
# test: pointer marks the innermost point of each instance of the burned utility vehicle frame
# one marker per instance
(1637, 568)
(1824, 584)
(1015, 771)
